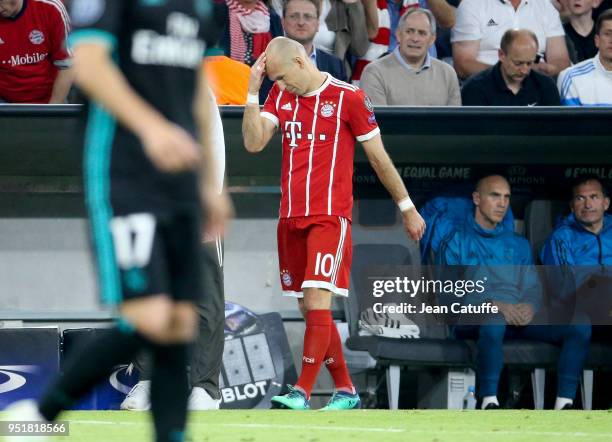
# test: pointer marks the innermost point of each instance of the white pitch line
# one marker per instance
(406, 430)
(364, 429)
(288, 427)
(90, 422)
(311, 427)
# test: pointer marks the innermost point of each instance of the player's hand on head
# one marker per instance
(414, 225)
(218, 211)
(170, 148)
(258, 72)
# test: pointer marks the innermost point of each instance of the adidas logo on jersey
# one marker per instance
(491, 23)
(286, 106)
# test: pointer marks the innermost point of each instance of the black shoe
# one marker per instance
(492, 406)
(568, 407)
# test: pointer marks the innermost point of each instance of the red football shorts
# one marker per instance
(314, 251)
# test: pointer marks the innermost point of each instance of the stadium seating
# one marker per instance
(541, 217)
(393, 353)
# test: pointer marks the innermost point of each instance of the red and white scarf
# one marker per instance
(253, 21)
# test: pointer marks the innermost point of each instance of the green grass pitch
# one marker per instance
(353, 426)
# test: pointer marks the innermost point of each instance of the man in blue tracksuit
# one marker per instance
(504, 259)
(582, 248)
(584, 238)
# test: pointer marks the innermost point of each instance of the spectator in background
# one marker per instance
(341, 29)
(481, 23)
(327, 37)
(582, 246)
(580, 29)
(584, 237)
(389, 13)
(564, 12)
(589, 83)
(409, 76)
(249, 27)
(504, 260)
(34, 60)
(512, 81)
(301, 22)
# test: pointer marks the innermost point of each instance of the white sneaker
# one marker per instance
(139, 397)
(24, 411)
(200, 400)
(389, 325)
(563, 403)
(491, 402)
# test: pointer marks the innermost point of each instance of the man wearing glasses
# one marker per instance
(301, 23)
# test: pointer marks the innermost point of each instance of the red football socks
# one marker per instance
(335, 363)
(316, 342)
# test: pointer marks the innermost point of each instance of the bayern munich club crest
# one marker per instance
(286, 278)
(328, 108)
(37, 37)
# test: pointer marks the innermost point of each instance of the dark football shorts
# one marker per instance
(158, 252)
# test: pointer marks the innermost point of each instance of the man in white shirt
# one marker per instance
(590, 83)
(481, 23)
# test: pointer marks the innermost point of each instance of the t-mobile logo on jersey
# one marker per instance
(293, 132)
(18, 60)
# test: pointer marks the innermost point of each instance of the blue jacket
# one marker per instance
(579, 254)
(500, 257)
(442, 215)
(571, 244)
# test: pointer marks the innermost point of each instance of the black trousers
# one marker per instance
(208, 348)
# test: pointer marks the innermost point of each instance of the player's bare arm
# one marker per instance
(387, 173)
(217, 204)
(256, 130)
(168, 146)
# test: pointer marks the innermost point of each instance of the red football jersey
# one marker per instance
(319, 130)
(32, 49)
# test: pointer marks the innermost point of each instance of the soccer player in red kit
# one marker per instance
(34, 59)
(319, 118)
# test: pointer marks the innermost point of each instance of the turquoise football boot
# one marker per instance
(294, 400)
(342, 400)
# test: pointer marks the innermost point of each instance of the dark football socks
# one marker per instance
(170, 391)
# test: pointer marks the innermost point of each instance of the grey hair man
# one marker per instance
(409, 76)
